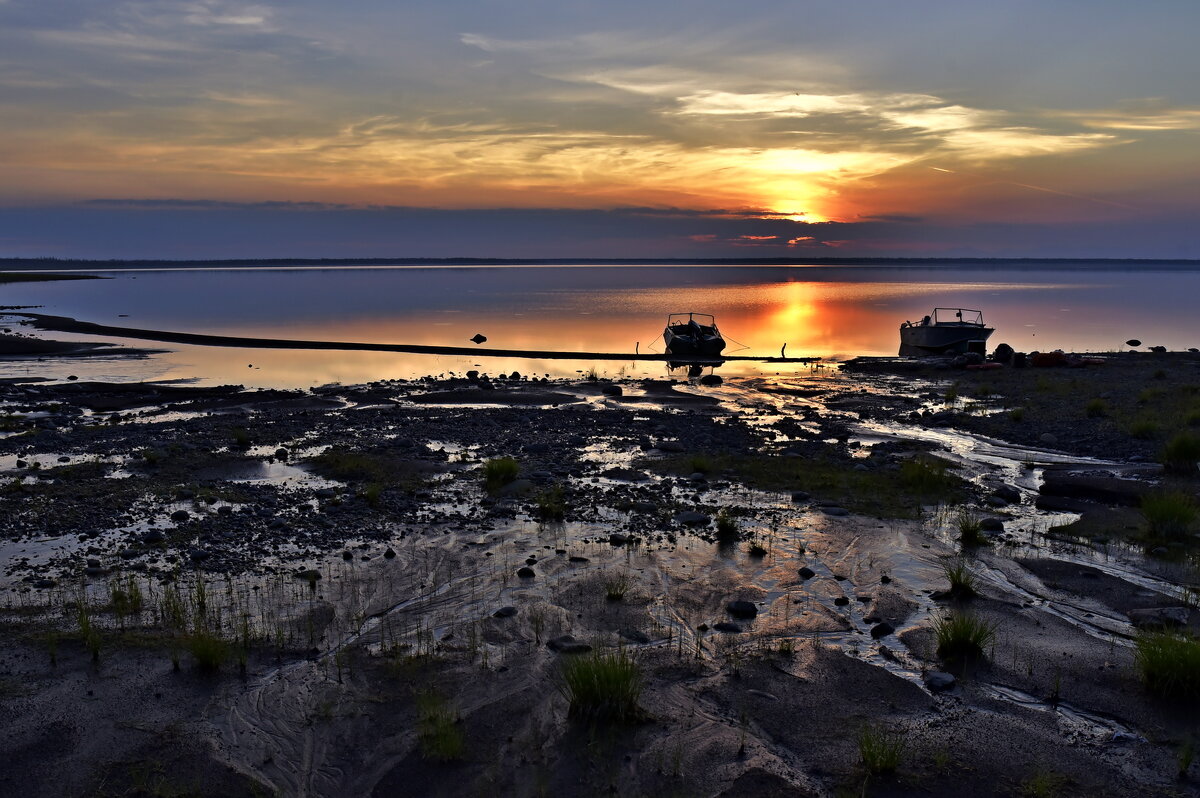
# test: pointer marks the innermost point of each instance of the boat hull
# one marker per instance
(943, 339)
(690, 346)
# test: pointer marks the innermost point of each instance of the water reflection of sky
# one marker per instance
(816, 311)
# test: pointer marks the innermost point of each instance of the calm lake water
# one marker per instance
(831, 312)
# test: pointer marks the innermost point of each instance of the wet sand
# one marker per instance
(345, 546)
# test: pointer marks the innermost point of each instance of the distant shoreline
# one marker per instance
(43, 278)
(61, 264)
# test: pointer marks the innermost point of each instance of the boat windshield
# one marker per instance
(677, 319)
(957, 316)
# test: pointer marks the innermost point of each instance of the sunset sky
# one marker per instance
(609, 129)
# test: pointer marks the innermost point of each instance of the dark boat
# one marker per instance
(945, 331)
(693, 335)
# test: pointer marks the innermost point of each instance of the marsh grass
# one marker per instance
(1169, 663)
(602, 688)
(1044, 784)
(1096, 408)
(880, 492)
(726, 527)
(438, 731)
(616, 586)
(499, 472)
(368, 468)
(963, 584)
(1184, 756)
(881, 750)
(970, 528)
(1017, 414)
(1144, 429)
(208, 648)
(701, 463)
(1170, 514)
(1182, 453)
(552, 504)
(962, 636)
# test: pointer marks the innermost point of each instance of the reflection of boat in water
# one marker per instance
(693, 335)
(695, 369)
(945, 331)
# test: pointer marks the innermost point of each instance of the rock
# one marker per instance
(347, 555)
(692, 518)
(992, 524)
(807, 573)
(1048, 439)
(199, 555)
(1166, 617)
(800, 496)
(697, 476)
(1159, 349)
(727, 627)
(618, 539)
(94, 571)
(566, 644)
(1008, 493)
(1110, 490)
(882, 630)
(841, 601)
(179, 516)
(634, 636)
(389, 554)
(92, 562)
(41, 584)
(505, 612)
(153, 536)
(309, 574)
(1003, 354)
(525, 572)
(577, 558)
(518, 487)
(939, 681)
(711, 380)
(669, 446)
(835, 511)
(611, 390)
(742, 609)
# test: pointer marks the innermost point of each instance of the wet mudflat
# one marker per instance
(383, 589)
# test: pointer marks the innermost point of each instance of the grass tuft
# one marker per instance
(962, 582)
(615, 587)
(1169, 514)
(602, 688)
(1170, 664)
(970, 529)
(1182, 453)
(438, 731)
(209, 649)
(1096, 408)
(552, 504)
(881, 750)
(962, 636)
(499, 472)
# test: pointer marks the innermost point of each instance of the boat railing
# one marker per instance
(958, 316)
(698, 317)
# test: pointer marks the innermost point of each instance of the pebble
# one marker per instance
(742, 609)
(939, 681)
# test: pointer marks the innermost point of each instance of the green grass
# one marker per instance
(241, 438)
(602, 688)
(208, 648)
(1017, 414)
(552, 504)
(1181, 454)
(499, 472)
(701, 463)
(1144, 429)
(1170, 514)
(367, 468)
(879, 492)
(1184, 756)
(881, 750)
(962, 581)
(1096, 408)
(962, 636)
(1044, 784)
(1169, 663)
(441, 738)
(970, 529)
(726, 526)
